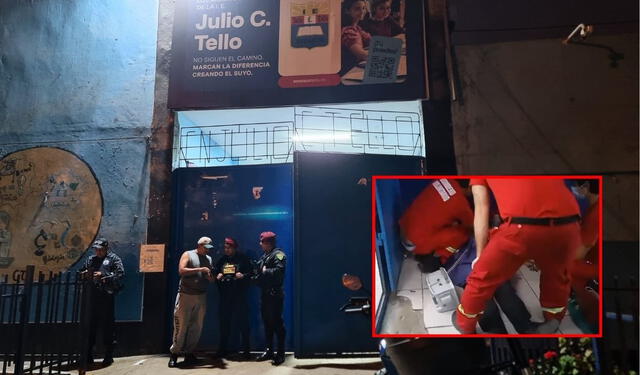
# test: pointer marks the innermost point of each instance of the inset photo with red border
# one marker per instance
(487, 256)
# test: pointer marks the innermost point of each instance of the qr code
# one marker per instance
(381, 67)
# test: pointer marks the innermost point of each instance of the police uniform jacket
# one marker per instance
(112, 272)
(271, 281)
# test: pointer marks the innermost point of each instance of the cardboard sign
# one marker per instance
(152, 258)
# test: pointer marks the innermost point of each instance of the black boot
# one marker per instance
(278, 359)
(173, 360)
(267, 355)
(108, 359)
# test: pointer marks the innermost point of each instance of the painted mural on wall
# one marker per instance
(50, 210)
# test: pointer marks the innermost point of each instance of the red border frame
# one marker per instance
(430, 177)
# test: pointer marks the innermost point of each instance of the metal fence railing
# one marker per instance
(40, 323)
(618, 349)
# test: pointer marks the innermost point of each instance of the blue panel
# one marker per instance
(223, 204)
(387, 210)
(393, 197)
(333, 237)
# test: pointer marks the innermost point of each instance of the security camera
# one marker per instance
(581, 32)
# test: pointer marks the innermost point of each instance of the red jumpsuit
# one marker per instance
(439, 220)
(552, 247)
(586, 269)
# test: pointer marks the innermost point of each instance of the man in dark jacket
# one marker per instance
(106, 270)
(233, 270)
(271, 268)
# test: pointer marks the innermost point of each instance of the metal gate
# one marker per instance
(240, 202)
(333, 237)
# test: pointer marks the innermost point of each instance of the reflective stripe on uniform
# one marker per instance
(470, 316)
(553, 310)
(452, 250)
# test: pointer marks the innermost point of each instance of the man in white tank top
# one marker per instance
(191, 302)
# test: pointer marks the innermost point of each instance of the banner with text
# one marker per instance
(250, 53)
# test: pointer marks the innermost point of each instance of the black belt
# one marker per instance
(548, 221)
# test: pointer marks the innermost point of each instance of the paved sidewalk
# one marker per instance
(157, 365)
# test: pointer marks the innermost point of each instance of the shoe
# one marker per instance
(173, 360)
(278, 359)
(190, 359)
(108, 360)
(265, 356)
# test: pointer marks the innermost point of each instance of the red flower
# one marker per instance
(550, 354)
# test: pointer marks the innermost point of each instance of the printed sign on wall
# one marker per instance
(152, 258)
(249, 53)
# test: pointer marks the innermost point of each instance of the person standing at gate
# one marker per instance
(270, 278)
(194, 269)
(106, 270)
(233, 270)
(540, 222)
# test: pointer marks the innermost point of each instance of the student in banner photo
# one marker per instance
(540, 221)
(381, 23)
(354, 39)
(233, 272)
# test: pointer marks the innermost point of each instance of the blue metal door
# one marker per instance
(240, 202)
(333, 237)
(393, 197)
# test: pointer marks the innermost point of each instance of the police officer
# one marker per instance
(540, 222)
(233, 270)
(270, 269)
(106, 271)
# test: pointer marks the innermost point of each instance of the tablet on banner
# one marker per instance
(287, 52)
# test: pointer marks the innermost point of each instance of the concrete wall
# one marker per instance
(540, 107)
(79, 75)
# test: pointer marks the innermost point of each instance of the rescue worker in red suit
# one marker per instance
(585, 266)
(438, 223)
(540, 222)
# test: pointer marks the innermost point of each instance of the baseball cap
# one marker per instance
(100, 243)
(231, 241)
(267, 236)
(206, 241)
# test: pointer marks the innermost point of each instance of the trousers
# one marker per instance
(103, 320)
(551, 247)
(188, 316)
(271, 308)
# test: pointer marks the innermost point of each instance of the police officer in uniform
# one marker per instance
(106, 271)
(270, 277)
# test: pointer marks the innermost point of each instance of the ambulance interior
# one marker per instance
(405, 303)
